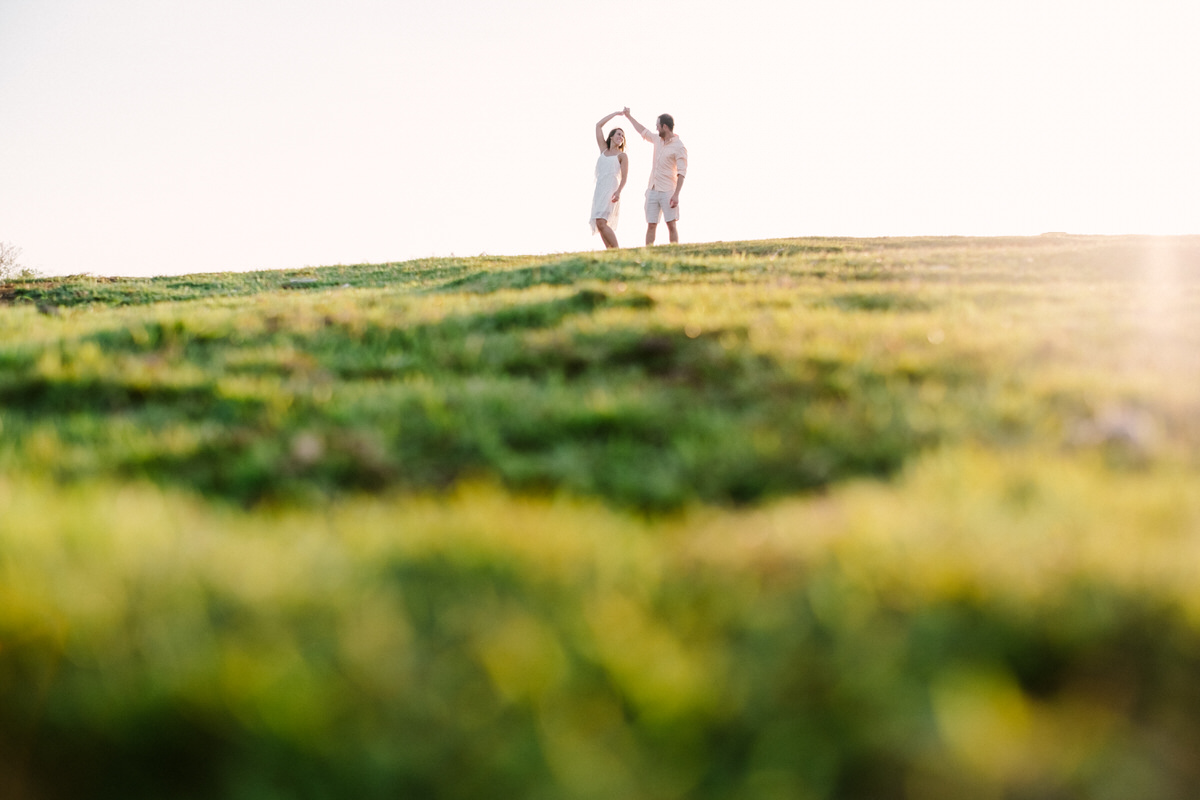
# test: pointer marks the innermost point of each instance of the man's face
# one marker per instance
(663, 130)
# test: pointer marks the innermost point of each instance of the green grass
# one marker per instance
(806, 518)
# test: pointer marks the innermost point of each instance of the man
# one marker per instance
(666, 175)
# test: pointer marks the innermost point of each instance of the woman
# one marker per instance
(611, 170)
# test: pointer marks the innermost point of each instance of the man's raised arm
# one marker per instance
(639, 127)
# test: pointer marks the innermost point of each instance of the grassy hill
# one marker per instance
(803, 518)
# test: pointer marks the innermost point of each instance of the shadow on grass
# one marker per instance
(96, 395)
(578, 268)
(566, 272)
(879, 301)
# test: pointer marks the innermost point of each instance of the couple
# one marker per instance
(666, 178)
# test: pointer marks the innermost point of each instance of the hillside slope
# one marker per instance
(810, 518)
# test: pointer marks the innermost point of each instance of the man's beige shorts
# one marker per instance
(660, 203)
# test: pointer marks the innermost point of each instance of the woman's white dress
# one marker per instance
(608, 178)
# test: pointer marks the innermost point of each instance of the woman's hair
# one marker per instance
(608, 141)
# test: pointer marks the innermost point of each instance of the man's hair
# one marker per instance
(608, 141)
(668, 120)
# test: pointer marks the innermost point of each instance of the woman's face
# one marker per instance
(617, 137)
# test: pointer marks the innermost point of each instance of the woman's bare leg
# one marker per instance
(607, 234)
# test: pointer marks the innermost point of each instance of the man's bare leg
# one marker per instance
(651, 227)
(606, 233)
(673, 233)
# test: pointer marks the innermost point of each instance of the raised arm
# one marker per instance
(600, 131)
(636, 125)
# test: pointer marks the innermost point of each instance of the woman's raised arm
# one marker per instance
(600, 131)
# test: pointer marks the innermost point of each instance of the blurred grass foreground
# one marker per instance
(910, 519)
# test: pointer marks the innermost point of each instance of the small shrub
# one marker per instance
(9, 266)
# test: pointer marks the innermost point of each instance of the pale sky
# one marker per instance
(155, 137)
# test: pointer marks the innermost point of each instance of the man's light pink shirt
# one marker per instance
(670, 159)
